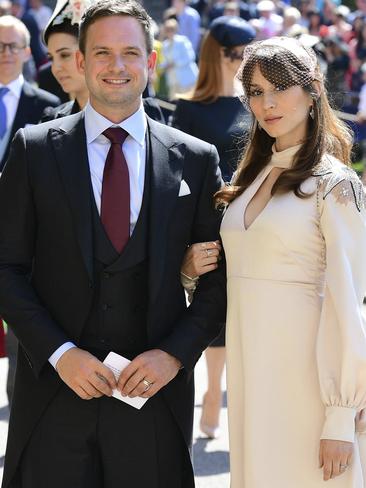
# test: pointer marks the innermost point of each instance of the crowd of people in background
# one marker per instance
(336, 32)
(333, 30)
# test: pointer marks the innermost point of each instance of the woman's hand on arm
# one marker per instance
(334, 457)
(201, 258)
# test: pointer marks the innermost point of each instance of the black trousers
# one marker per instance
(104, 443)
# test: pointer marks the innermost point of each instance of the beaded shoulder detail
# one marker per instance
(341, 181)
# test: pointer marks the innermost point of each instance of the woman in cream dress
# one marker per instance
(294, 236)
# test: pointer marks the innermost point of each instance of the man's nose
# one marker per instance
(118, 62)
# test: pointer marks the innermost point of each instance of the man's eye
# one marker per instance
(102, 53)
(131, 53)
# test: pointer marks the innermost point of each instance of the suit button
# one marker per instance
(105, 307)
(102, 341)
(91, 285)
(106, 275)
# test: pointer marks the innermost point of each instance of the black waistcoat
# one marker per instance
(118, 315)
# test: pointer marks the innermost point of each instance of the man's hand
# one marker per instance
(334, 457)
(85, 374)
(155, 368)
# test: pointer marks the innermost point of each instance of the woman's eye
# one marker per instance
(280, 88)
(255, 93)
(65, 56)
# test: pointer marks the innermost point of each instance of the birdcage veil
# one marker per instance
(283, 61)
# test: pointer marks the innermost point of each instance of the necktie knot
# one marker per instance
(3, 91)
(116, 135)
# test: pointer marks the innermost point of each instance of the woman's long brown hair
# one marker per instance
(325, 134)
(209, 82)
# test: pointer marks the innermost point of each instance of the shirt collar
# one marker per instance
(95, 124)
(15, 86)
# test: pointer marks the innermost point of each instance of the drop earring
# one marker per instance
(311, 113)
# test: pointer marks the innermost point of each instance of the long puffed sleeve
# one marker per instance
(341, 345)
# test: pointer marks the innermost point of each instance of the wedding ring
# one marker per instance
(147, 384)
(208, 252)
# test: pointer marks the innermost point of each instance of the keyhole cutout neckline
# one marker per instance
(258, 200)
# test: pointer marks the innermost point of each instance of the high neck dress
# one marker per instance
(296, 347)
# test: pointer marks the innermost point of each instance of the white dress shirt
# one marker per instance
(134, 150)
(11, 99)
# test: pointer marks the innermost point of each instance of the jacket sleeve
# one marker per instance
(341, 342)
(38, 334)
(205, 317)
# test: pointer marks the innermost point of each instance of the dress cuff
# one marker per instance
(53, 359)
(189, 284)
(339, 424)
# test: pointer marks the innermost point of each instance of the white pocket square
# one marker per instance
(184, 189)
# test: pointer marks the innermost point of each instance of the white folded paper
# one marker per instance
(117, 364)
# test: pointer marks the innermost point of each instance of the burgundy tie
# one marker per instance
(115, 207)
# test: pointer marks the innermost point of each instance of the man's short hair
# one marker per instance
(10, 21)
(113, 8)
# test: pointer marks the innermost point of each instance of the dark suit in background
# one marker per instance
(31, 106)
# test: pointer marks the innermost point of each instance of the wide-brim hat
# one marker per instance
(231, 31)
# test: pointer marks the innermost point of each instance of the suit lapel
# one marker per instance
(166, 175)
(69, 143)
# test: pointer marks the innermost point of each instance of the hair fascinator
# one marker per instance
(67, 12)
(283, 61)
(73, 11)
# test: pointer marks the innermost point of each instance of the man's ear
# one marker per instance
(151, 62)
(80, 62)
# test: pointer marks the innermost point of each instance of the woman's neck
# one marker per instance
(81, 98)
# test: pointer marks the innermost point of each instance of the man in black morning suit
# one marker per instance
(73, 295)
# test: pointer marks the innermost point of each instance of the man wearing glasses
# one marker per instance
(20, 103)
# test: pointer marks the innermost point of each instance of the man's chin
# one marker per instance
(119, 100)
